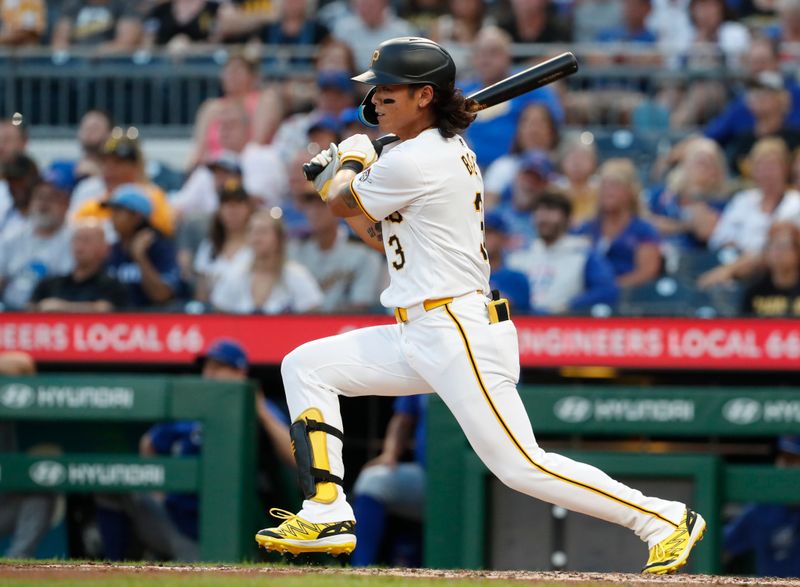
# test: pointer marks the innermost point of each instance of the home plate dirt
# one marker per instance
(62, 570)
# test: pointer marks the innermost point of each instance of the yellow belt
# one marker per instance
(401, 314)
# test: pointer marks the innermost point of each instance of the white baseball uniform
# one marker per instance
(428, 192)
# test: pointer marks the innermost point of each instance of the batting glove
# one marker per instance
(329, 161)
(358, 149)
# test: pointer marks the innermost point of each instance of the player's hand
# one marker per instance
(329, 161)
(358, 148)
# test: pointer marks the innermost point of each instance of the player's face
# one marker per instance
(397, 108)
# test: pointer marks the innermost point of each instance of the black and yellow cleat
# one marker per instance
(672, 553)
(297, 536)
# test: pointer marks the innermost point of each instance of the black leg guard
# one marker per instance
(309, 445)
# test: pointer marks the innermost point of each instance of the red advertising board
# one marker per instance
(544, 342)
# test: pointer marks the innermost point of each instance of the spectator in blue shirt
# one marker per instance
(492, 133)
(686, 209)
(388, 486)
(142, 258)
(512, 285)
(630, 244)
(534, 175)
(771, 531)
(769, 106)
(564, 273)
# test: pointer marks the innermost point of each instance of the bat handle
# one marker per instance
(312, 170)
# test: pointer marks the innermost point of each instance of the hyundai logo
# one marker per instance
(47, 473)
(742, 411)
(17, 396)
(573, 409)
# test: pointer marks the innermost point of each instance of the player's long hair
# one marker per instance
(454, 113)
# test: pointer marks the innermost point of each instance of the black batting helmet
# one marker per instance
(405, 60)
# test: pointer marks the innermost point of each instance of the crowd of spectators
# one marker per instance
(570, 226)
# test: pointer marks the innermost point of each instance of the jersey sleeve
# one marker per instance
(389, 185)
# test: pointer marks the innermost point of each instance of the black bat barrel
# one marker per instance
(525, 81)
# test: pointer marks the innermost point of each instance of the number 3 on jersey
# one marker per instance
(478, 206)
(400, 256)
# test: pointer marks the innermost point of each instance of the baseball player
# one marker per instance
(421, 204)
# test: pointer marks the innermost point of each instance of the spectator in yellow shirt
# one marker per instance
(122, 163)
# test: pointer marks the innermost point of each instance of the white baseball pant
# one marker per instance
(473, 366)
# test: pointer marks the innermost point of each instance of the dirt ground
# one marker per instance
(61, 570)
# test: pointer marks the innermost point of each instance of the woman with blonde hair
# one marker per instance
(686, 210)
(630, 243)
(745, 222)
(266, 283)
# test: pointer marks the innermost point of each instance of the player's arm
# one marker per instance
(341, 201)
(334, 187)
(368, 231)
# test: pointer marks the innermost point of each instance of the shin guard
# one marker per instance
(310, 446)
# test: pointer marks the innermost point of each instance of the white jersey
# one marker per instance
(427, 192)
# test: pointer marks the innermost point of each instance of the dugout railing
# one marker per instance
(223, 476)
(458, 512)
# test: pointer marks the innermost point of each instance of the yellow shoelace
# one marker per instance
(282, 514)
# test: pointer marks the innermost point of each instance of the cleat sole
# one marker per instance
(346, 546)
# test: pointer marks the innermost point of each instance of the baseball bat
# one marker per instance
(520, 83)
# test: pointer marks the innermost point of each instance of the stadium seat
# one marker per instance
(637, 147)
(666, 297)
(693, 263)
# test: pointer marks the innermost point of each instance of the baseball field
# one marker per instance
(66, 574)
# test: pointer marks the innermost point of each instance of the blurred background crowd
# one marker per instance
(151, 153)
